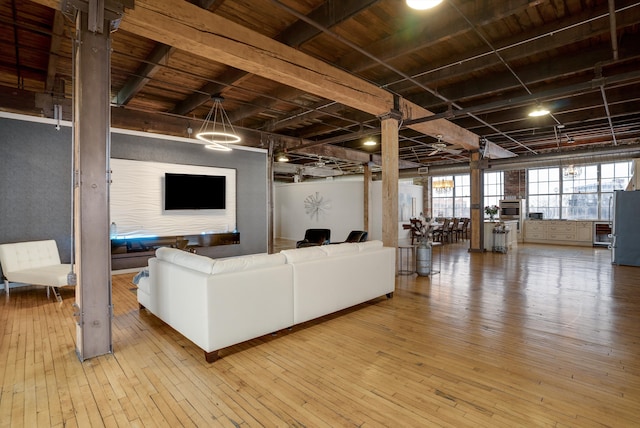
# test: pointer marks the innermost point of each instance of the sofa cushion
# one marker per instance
(345, 248)
(250, 262)
(189, 260)
(302, 254)
(369, 245)
(55, 275)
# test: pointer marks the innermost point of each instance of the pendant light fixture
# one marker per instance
(216, 130)
(572, 171)
(442, 185)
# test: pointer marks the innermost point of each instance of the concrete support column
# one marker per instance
(91, 147)
(390, 174)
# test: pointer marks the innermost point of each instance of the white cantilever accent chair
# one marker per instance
(36, 263)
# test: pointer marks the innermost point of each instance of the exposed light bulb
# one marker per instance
(539, 111)
(423, 4)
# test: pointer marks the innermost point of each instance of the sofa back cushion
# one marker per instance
(250, 262)
(303, 254)
(26, 255)
(189, 260)
(369, 245)
(340, 249)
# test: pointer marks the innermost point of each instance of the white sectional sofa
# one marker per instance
(217, 303)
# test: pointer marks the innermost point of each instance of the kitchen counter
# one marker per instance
(562, 232)
(511, 238)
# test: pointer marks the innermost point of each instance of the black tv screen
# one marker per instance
(194, 192)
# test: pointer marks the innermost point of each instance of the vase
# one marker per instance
(491, 217)
(423, 258)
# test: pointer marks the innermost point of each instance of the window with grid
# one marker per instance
(462, 196)
(583, 194)
(442, 199)
(613, 176)
(580, 193)
(493, 189)
(543, 185)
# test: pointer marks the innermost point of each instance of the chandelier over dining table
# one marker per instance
(442, 185)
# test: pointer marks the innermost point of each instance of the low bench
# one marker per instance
(34, 262)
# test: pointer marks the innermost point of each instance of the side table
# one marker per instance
(406, 260)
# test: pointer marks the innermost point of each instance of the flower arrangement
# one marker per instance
(491, 211)
(422, 228)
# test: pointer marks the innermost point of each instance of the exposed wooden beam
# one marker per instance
(187, 27)
(54, 49)
(158, 57)
(328, 14)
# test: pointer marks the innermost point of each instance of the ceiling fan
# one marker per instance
(439, 146)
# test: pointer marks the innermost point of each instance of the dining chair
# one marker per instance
(462, 228)
(440, 231)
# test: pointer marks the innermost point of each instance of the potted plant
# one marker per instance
(491, 211)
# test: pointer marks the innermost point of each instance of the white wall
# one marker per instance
(340, 208)
(409, 206)
(341, 205)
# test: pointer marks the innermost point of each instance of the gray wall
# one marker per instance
(35, 180)
(35, 183)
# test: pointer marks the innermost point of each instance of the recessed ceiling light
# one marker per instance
(369, 143)
(423, 4)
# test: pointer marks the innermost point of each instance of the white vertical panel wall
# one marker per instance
(137, 201)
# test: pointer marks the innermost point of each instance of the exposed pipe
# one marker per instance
(606, 109)
(613, 29)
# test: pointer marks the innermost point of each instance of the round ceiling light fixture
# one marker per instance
(369, 143)
(423, 4)
(539, 111)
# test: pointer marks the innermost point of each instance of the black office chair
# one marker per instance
(314, 237)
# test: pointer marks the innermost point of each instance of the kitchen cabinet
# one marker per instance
(584, 231)
(562, 232)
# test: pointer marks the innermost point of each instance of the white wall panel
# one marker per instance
(137, 201)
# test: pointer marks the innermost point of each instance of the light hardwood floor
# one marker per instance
(541, 336)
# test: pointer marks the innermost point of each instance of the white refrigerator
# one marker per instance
(625, 234)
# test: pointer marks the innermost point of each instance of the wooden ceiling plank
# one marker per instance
(186, 27)
(326, 15)
(409, 41)
(538, 40)
(228, 77)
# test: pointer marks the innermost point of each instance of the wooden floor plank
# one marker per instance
(540, 336)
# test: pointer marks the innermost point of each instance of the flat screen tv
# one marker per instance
(194, 192)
